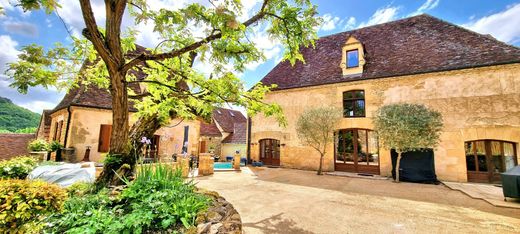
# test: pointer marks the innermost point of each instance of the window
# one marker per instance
(354, 103)
(104, 138)
(352, 58)
(58, 127)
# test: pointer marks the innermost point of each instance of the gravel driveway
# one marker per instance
(294, 201)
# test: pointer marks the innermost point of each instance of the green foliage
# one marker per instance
(315, 127)
(38, 145)
(157, 200)
(23, 203)
(55, 146)
(17, 119)
(17, 168)
(408, 127)
(80, 189)
(169, 65)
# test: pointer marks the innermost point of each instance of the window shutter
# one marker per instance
(104, 138)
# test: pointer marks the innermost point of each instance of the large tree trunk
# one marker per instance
(119, 137)
(397, 165)
(119, 160)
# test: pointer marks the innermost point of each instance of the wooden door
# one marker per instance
(270, 152)
(486, 159)
(203, 147)
(104, 138)
(154, 147)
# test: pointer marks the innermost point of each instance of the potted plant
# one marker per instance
(56, 146)
(38, 148)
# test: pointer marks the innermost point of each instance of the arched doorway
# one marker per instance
(486, 159)
(270, 152)
(356, 150)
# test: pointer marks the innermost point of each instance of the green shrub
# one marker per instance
(55, 146)
(38, 145)
(24, 203)
(79, 189)
(157, 200)
(18, 167)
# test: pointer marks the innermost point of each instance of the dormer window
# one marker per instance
(352, 58)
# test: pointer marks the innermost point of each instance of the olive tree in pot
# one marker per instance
(315, 128)
(407, 127)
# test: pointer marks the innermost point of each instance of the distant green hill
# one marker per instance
(15, 118)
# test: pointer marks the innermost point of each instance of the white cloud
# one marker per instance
(504, 25)
(329, 22)
(21, 28)
(426, 6)
(350, 23)
(382, 15)
(8, 52)
(38, 106)
(9, 5)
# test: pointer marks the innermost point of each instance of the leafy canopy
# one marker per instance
(408, 127)
(315, 127)
(211, 34)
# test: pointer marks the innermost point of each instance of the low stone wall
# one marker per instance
(12, 144)
(221, 216)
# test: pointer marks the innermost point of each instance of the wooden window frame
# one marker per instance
(353, 101)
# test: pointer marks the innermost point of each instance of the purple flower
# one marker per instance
(144, 140)
(148, 141)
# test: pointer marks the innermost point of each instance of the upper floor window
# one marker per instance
(352, 58)
(354, 103)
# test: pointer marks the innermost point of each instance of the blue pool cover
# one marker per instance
(222, 165)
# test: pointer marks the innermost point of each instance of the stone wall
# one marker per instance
(86, 123)
(230, 149)
(12, 145)
(479, 103)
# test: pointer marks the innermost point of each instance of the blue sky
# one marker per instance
(500, 18)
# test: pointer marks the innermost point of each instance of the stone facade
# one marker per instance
(85, 127)
(476, 103)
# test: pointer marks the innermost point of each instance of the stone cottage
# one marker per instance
(225, 135)
(472, 79)
(82, 122)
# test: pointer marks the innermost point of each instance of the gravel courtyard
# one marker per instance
(294, 201)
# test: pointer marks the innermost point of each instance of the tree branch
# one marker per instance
(193, 46)
(93, 33)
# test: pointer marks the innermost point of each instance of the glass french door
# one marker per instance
(486, 159)
(357, 150)
(270, 152)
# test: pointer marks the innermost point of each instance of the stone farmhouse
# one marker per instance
(472, 79)
(83, 119)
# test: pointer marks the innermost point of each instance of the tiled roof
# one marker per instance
(209, 129)
(239, 134)
(419, 44)
(226, 118)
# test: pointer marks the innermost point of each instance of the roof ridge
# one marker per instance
(485, 36)
(380, 24)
